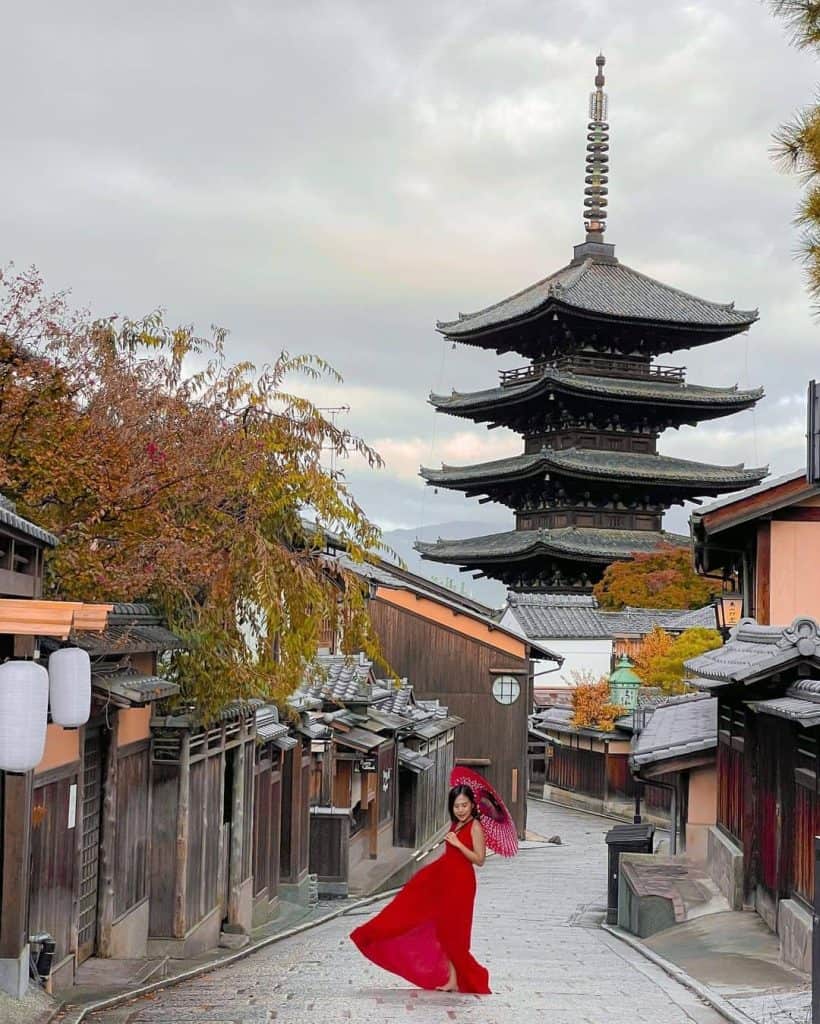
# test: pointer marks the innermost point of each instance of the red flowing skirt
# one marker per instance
(426, 925)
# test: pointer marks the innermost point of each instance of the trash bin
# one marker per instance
(624, 839)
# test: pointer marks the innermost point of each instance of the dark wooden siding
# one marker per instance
(387, 781)
(165, 800)
(133, 830)
(329, 841)
(53, 861)
(204, 838)
(295, 838)
(578, 770)
(457, 669)
(730, 769)
(267, 816)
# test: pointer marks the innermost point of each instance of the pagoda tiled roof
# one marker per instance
(570, 542)
(591, 463)
(607, 288)
(648, 390)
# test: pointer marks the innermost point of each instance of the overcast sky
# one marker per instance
(333, 177)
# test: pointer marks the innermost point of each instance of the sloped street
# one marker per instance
(536, 928)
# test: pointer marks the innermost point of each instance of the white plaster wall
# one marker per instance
(583, 656)
(586, 655)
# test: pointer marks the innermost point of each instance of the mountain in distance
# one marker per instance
(489, 592)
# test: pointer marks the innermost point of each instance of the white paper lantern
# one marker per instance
(23, 715)
(69, 677)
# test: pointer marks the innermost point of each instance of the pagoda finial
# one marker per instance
(597, 168)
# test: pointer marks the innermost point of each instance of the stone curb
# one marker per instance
(708, 995)
(78, 1014)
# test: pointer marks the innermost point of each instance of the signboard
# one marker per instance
(368, 764)
(72, 805)
(813, 434)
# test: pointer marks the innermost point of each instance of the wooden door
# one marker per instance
(53, 860)
(90, 848)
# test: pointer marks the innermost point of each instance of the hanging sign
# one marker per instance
(368, 764)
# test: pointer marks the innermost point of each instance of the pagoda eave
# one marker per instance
(572, 543)
(679, 402)
(623, 469)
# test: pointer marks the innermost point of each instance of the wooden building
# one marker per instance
(587, 768)
(25, 617)
(202, 829)
(274, 745)
(761, 851)
(590, 486)
(675, 748)
(768, 540)
(91, 834)
(369, 739)
(455, 650)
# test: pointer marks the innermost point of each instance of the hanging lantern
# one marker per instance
(23, 715)
(69, 677)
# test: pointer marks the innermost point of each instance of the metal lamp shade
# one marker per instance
(69, 676)
(23, 715)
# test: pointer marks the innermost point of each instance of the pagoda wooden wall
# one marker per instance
(459, 670)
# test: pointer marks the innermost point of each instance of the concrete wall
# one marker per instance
(702, 811)
(795, 558)
(62, 747)
(134, 725)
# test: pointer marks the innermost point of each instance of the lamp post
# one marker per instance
(728, 611)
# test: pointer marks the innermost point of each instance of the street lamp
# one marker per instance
(728, 611)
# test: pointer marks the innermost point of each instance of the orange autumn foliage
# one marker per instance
(592, 707)
(657, 579)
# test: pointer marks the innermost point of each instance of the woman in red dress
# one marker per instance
(423, 934)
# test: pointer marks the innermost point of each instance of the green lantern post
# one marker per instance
(624, 685)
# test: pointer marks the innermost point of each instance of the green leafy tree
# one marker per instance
(797, 143)
(662, 664)
(658, 579)
(173, 475)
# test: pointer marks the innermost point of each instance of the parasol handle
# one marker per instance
(430, 849)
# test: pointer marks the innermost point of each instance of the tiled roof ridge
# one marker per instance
(442, 324)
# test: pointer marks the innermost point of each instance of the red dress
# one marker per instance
(428, 923)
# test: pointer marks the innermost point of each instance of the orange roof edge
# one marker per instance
(51, 618)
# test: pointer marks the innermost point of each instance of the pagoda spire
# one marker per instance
(597, 169)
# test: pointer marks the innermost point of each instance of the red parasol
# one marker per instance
(499, 828)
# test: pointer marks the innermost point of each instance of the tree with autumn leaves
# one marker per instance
(175, 476)
(660, 661)
(664, 578)
(592, 706)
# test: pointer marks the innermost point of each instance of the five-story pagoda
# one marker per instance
(590, 486)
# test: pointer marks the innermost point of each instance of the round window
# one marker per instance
(506, 689)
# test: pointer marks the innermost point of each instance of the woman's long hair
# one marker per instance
(456, 792)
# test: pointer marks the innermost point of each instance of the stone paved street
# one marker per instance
(535, 928)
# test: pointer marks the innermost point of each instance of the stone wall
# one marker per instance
(725, 863)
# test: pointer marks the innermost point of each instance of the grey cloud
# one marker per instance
(335, 176)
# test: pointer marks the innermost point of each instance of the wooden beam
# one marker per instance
(763, 569)
(16, 838)
(108, 840)
(181, 866)
(235, 879)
